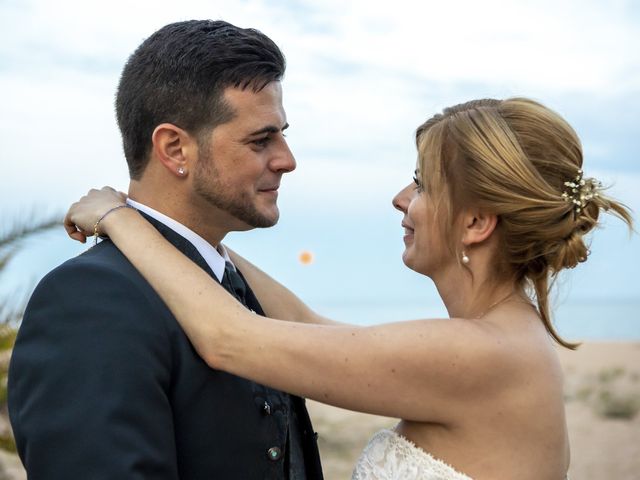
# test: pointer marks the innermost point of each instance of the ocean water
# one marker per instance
(600, 319)
(375, 289)
(589, 319)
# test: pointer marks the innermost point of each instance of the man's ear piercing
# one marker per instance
(181, 171)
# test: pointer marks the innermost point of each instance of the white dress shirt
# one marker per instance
(215, 257)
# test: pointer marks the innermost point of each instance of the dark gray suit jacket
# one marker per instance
(104, 384)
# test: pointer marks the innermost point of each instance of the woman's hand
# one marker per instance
(83, 215)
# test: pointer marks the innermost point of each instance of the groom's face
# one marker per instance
(242, 161)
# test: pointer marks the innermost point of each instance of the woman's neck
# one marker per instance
(472, 297)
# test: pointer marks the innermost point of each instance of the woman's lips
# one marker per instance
(408, 232)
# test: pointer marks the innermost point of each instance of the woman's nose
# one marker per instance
(402, 198)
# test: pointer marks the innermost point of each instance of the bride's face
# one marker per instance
(424, 250)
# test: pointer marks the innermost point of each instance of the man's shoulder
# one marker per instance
(98, 263)
(99, 282)
(101, 273)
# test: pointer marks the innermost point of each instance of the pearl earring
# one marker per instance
(465, 259)
(181, 171)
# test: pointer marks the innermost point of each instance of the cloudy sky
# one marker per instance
(361, 76)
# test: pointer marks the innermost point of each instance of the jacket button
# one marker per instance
(274, 453)
(266, 408)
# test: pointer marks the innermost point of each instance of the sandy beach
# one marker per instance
(602, 395)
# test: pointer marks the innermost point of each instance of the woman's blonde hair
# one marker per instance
(521, 161)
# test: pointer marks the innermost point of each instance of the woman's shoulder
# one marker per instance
(499, 352)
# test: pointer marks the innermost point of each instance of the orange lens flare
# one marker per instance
(305, 257)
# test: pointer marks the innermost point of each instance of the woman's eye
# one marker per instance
(418, 183)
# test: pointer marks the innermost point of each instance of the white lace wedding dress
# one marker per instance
(390, 456)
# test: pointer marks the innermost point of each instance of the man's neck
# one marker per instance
(215, 256)
(207, 228)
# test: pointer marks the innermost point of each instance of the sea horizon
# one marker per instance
(606, 319)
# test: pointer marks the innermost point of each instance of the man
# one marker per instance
(103, 383)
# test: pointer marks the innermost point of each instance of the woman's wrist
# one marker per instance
(105, 223)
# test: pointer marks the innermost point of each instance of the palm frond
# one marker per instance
(5, 257)
(12, 304)
(21, 229)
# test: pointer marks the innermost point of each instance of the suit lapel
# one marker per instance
(186, 247)
(181, 243)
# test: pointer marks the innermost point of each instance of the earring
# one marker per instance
(181, 171)
(465, 259)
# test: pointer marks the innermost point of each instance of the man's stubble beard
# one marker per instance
(207, 186)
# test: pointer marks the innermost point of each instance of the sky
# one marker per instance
(361, 76)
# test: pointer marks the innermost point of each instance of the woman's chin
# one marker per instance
(410, 262)
(407, 260)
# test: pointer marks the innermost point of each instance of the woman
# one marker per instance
(499, 205)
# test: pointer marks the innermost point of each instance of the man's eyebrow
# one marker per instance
(268, 129)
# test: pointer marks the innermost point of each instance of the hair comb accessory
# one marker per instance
(580, 191)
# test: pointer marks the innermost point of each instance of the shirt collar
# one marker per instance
(215, 257)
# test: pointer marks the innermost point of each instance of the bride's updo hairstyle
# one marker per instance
(521, 161)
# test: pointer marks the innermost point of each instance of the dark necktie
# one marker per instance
(233, 283)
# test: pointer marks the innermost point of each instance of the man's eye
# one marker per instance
(261, 142)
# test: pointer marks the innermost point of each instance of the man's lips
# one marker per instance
(272, 191)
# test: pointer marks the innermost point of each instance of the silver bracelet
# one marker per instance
(96, 234)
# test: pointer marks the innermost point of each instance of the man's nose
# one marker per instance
(283, 161)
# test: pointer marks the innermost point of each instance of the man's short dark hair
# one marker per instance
(178, 76)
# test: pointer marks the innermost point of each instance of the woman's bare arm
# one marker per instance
(276, 299)
(421, 370)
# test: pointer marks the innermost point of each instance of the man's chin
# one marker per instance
(258, 220)
(267, 222)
